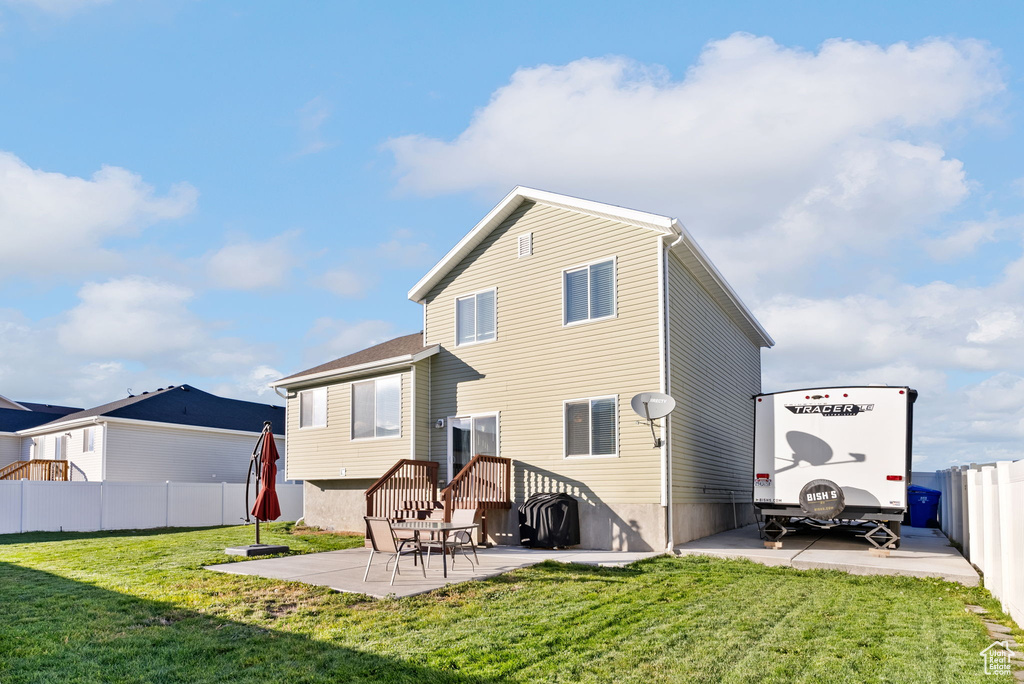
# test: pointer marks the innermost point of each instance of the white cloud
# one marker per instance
(759, 147)
(345, 283)
(253, 265)
(62, 8)
(52, 223)
(331, 338)
(131, 318)
(312, 116)
(964, 240)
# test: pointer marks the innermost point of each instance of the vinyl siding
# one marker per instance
(536, 363)
(423, 424)
(153, 453)
(85, 465)
(320, 453)
(10, 449)
(715, 369)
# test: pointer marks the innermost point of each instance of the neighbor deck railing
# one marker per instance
(36, 469)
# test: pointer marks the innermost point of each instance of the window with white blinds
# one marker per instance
(475, 318)
(591, 427)
(589, 292)
(377, 408)
(313, 408)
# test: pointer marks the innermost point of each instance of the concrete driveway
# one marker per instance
(922, 553)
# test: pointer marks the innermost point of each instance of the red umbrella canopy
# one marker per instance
(266, 506)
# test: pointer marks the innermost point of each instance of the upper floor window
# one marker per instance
(89, 439)
(60, 448)
(589, 292)
(377, 408)
(590, 427)
(474, 318)
(313, 408)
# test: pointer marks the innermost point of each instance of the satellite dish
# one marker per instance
(652, 405)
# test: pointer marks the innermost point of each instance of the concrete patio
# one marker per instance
(343, 570)
(923, 553)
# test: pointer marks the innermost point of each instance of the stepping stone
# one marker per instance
(996, 627)
(975, 609)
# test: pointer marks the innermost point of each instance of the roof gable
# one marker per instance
(673, 232)
(399, 349)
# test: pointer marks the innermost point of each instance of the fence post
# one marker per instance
(21, 509)
(223, 518)
(167, 503)
(975, 535)
(1007, 551)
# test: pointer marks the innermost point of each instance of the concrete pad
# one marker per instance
(343, 570)
(922, 552)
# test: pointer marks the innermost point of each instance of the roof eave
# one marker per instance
(510, 203)
(383, 364)
(693, 256)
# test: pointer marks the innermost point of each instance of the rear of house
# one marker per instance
(539, 327)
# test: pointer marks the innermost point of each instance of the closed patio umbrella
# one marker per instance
(266, 507)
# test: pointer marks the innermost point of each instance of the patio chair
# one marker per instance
(383, 540)
(459, 540)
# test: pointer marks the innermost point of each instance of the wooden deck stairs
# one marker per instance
(36, 469)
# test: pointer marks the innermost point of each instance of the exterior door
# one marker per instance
(469, 436)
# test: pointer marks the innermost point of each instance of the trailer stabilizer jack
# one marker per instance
(774, 530)
(881, 536)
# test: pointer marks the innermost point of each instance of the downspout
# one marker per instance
(666, 382)
(103, 450)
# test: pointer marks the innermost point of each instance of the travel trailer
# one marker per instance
(834, 455)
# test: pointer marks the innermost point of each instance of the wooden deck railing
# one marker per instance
(485, 483)
(36, 469)
(407, 481)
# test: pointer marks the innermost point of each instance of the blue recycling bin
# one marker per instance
(924, 506)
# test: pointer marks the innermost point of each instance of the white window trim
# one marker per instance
(448, 434)
(565, 428)
(85, 440)
(352, 408)
(615, 292)
(456, 317)
(298, 397)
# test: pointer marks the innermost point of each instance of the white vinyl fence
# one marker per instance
(29, 506)
(982, 508)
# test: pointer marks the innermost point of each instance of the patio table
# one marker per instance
(445, 528)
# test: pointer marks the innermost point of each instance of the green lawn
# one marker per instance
(137, 606)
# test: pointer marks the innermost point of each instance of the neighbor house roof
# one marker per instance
(49, 408)
(400, 350)
(672, 230)
(183, 405)
(12, 420)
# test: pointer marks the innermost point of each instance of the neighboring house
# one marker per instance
(540, 325)
(177, 433)
(20, 415)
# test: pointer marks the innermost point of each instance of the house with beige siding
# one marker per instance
(176, 433)
(539, 327)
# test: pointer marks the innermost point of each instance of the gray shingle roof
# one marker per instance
(399, 346)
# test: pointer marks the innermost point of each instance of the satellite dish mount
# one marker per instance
(650, 406)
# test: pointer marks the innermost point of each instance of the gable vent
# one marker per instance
(525, 245)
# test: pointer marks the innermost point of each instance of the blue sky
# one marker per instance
(223, 193)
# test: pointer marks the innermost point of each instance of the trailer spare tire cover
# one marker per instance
(822, 499)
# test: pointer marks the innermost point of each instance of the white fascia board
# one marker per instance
(23, 408)
(97, 420)
(692, 256)
(383, 364)
(504, 209)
